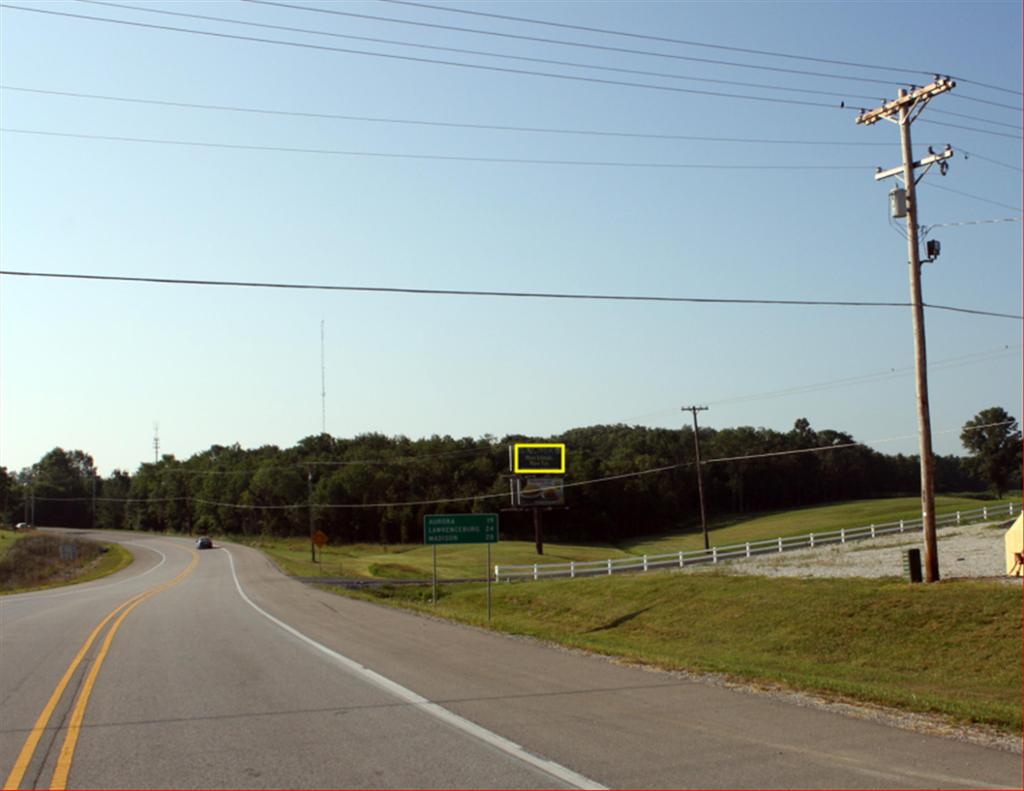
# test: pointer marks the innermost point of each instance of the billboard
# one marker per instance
(540, 491)
(538, 458)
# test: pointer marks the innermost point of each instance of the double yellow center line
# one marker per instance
(67, 753)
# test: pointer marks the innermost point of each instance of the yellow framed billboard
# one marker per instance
(538, 458)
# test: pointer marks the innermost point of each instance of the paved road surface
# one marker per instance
(235, 676)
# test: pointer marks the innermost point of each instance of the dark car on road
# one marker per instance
(204, 543)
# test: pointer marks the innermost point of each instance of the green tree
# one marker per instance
(994, 441)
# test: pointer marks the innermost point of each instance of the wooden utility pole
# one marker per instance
(700, 477)
(904, 110)
(309, 485)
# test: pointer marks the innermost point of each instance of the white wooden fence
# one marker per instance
(747, 549)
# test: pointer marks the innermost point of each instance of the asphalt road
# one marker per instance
(231, 675)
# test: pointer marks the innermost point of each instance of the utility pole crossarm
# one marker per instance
(931, 159)
(892, 108)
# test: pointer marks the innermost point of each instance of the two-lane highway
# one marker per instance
(235, 676)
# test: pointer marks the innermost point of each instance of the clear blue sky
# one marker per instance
(92, 365)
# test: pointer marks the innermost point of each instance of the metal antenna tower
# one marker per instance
(156, 442)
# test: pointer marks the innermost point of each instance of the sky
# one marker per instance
(764, 193)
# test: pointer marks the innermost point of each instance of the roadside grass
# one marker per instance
(33, 562)
(952, 648)
(414, 561)
(856, 513)
(7, 539)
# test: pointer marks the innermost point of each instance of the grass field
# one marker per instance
(7, 538)
(413, 561)
(952, 648)
(32, 561)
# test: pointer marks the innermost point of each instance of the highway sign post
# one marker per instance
(460, 529)
(319, 540)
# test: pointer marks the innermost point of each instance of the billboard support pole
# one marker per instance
(488, 583)
(433, 587)
(538, 533)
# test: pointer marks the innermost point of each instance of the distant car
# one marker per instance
(22, 526)
(204, 543)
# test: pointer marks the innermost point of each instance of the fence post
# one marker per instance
(780, 543)
(842, 535)
(748, 549)
(572, 569)
(609, 565)
(958, 517)
(901, 525)
(535, 571)
(984, 512)
(714, 554)
(645, 562)
(1011, 509)
(872, 531)
(680, 559)
(812, 540)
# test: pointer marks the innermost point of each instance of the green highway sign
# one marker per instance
(460, 528)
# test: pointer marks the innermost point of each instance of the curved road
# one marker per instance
(216, 671)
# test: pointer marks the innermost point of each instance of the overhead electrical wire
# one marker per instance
(562, 42)
(937, 186)
(433, 157)
(869, 378)
(968, 154)
(501, 495)
(548, 61)
(973, 222)
(970, 129)
(503, 294)
(444, 124)
(462, 51)
(973, 358)
(989, 102)
(668, 40)
(414, 59)
(935, 111)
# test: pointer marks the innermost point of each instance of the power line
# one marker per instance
(968, 154)
(973, 222)
(433, 157)
(413, 59)
(442, 124)
(483, 53)
(975, 197)
(504, 294)
(566, 43)
(667, 40)
(972, 129)
(498, 495)
(463, 51)
(867, 378)
(975, 118)
(989, 102)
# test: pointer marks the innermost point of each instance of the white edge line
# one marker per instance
(403, 693)
(37, 595)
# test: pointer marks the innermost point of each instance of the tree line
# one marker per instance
(374, 488)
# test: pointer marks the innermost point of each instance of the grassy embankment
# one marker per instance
(413, 561)
(32, 561)
(952, 648)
